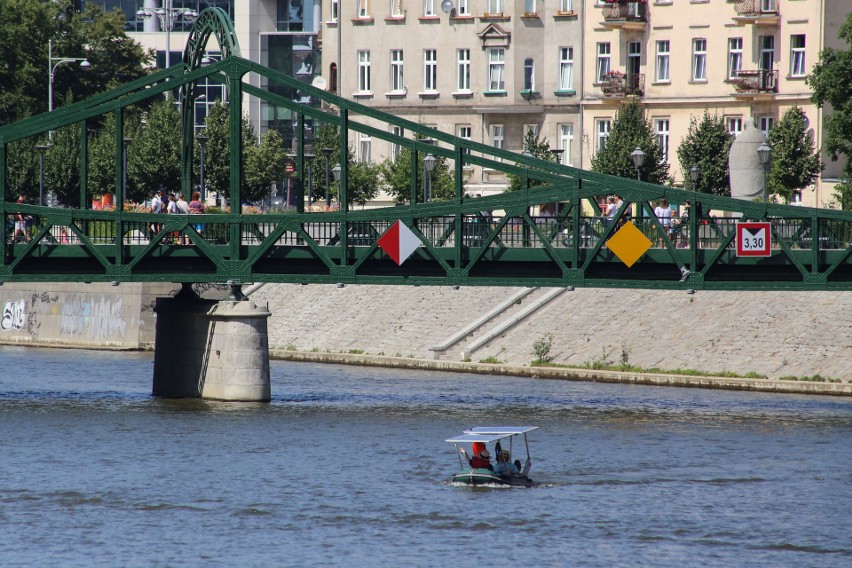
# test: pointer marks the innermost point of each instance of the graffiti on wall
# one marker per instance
(97, 319)
(14, 315)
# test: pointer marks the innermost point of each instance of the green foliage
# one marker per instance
(264, 165)
(22, 174)
(831, 81)
(541, 349)
(795, 161)
(398, 174)
(217, 154)
(629, 131)
(540, 149)
(707, 144)
(153, 157)
(102, 157)
(62, 165)
(491, 361)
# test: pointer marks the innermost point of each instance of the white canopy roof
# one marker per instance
(488, 434)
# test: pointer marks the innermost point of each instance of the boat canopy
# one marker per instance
(489, 434)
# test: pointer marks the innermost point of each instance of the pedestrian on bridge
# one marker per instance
(21, 224)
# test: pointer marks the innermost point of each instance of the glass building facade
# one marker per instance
(133, 24)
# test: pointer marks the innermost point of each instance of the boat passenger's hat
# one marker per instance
(484, 454)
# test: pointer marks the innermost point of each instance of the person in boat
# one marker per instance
(480, 460)
(504, 465)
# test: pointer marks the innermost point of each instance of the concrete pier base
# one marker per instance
(212, 349)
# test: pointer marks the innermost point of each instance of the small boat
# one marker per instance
(505, 472)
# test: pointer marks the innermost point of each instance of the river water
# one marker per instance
(347, 466)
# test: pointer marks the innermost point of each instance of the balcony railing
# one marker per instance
(625, 11)
(755, 8)
(617, 84)
(756, 81)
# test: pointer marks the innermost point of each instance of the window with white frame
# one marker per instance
(335, 10)
(396, 149)
(603, 61)
(464, 131)
(764, 124)
(564, 142)
(529, 6)
(661, 132)
(463, 8)
(663, 55)
(566, 68)
(735, 56)
(634, 57)
(767, 52)
(797, 55)
(494, 6)
(497, 136)
(699, 59)
(429, 8)
(397, 78)
(602, 128)
(566, 6)
(363, 8)
(364, 71)
(496, 68)
(364, 144)
(530, 128)
(396, 9)
(529, 75)
(463, 70)
(430, 70)
(734, 124)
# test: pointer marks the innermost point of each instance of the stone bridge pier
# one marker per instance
(211, 349)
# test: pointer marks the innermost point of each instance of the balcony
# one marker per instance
(619, 85)
(757, 12)
(625, 15)
(756, 82)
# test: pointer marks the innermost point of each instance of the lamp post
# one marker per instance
(693, 175)
(202, 140)
(42, 148)
(53, 63)
(638, 157)
(428, 166)
(327, 152)
(764, 152)
(167, 15)
(309, 158)
(336, 173)
(557, 153)
(127, 142)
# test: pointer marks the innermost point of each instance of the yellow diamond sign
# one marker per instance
(628, 244)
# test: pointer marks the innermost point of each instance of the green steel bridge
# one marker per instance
(492, 240)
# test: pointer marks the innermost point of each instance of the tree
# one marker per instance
(707, 145)
(397, 175)
(154, 154)
(795, 161)
(629, 131)
(217, 154)
(831, 81)
(538, 148)
(62, 165)
(265, 165)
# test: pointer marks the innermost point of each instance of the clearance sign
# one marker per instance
(754, 239)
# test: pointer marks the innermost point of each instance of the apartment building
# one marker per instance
(485, 70)
(745, 60)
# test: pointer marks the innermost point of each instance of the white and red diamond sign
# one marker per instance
(754, 239)
(399, 242)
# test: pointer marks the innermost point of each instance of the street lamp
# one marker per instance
(42, 148)
(202, 140)
(336, 173)
(53, 63)
(327, 152)
(557, 153)
(309, 158)
(428, 166)
(693, 175)
(127, 142)
(638, 157)
(167, 15)
(764, 152)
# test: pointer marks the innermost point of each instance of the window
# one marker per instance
(663, 61)
(734, 125)
(364, 71)
(529, 6)
(767, 52)
(430, 70)
(764, 124)
(463, 70)
(364, 143)
(566, 138)
(529, 75)
(335, 10)
(603, 61)
(464, 131)
(494, 6)
(566, 68)
(699, 60)
(530, 128)
(735, 56)
(497, 136)
(603, 126)
(363, 8)
(797, 55)
(429, 8)
(396, 149)
(634, 57)
(661, 132)
(462, 8)
(396, 9)
(496, 64)
(397, 79)
(566, 6)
